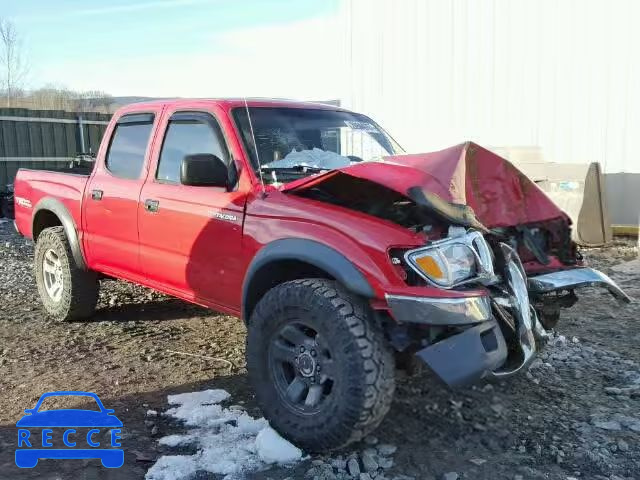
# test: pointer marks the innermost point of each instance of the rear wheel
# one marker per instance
(320, 365)
(67, 291)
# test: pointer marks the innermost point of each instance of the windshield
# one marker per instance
(297, 142)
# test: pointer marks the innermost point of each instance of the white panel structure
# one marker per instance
(556, 77)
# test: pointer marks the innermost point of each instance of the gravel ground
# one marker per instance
(576, 414)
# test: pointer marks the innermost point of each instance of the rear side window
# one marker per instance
(188, 134)
(129, 145)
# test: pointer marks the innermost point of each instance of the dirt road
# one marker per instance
(575, 414)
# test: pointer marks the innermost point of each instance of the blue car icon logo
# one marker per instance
(35, 444)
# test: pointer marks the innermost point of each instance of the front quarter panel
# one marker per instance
(363, 240)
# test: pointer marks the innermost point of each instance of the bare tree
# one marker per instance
(12, 60)
(50, 97)
(58, 97)
(93, 100)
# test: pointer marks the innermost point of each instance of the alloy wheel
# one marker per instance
(52, 273)
(302, 366)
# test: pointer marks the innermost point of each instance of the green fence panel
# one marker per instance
(37, 138)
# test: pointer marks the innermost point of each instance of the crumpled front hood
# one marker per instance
(498, 192)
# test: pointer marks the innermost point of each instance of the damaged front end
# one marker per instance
(464, 339)
(490, 335)
(497, 266)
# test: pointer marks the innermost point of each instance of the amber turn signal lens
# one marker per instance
(430, 267)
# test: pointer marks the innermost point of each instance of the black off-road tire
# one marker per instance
(362, 392)
(80, 287)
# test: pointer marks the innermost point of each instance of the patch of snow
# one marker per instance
(229, 441)
(175, 440)
(272, 448)
(171, 467)
(198, 415)
(198, 408)
(151, 413)
(199, 398)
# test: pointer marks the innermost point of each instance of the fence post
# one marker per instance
(81, 133)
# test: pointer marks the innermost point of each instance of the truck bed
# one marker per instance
(33, 185)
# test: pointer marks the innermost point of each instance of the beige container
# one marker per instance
(579, 191)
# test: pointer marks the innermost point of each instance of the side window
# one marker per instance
(187, 135)
(129, 145)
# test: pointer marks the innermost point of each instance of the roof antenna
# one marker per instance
(255, 146)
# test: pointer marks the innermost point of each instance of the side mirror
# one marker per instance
(204, 170)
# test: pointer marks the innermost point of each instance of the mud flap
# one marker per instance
(468, 356)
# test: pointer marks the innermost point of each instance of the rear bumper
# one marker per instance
(576, 278)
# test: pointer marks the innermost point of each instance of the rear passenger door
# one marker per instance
(112, 194)
(190, 236)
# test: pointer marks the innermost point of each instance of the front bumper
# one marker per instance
(463, 358)
(440, 311)
(479, 349)
(469, 356)
(575, 278)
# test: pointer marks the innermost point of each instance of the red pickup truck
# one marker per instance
(341, 253)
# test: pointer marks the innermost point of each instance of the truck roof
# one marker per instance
(229, 103)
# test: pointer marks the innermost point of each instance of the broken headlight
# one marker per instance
(454, 261)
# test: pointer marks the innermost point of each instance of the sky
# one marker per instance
(186, 48)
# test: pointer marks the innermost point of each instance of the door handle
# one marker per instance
(151, 205)
(96, 194)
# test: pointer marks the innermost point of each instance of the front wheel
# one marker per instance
(319, 363)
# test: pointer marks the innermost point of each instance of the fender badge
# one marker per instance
(225, 216)
(23, 202)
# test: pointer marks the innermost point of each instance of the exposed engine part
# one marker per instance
(548, 306)
(534, 240)
(539, 241)
(373, 199)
